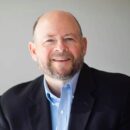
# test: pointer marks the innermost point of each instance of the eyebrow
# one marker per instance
(72, 34)
(69, 34)
(49, 35)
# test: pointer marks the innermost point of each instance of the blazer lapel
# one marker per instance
(83, 101)
(39, 113)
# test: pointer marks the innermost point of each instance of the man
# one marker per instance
(69, 95)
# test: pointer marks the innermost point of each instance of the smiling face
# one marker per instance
(58, 46)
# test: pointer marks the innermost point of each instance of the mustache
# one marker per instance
(62, 55)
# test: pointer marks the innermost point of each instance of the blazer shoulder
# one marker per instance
(16, 98)
(106, 80)
(105, 76)
(111, 77)
(20, 91)
(116, 83)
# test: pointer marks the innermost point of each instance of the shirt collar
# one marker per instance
(54, 99)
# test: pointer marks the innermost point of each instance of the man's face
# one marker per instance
(59, 48)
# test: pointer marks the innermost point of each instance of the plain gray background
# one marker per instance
(105, 23)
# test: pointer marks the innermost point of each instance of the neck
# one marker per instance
(55, 85)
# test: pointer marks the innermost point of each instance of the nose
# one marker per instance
(61, 46)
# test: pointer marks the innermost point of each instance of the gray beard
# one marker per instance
(67, 76)
(76, 66)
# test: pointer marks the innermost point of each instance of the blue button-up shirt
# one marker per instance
(61, 107)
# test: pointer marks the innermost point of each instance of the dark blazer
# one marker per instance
(101, 102)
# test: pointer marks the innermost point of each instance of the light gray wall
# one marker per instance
(105, 23)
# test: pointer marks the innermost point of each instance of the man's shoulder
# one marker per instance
(100, 74)
(110, 77)
(20, 90)
(17, 98)
(107, 86)
(106, 79)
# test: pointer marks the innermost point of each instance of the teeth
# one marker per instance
(60, 59)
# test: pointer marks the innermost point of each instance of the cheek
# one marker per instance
(43, 55)
(77, 51)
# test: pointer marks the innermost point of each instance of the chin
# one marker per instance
(64, 75)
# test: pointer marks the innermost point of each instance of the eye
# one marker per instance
(50, 40)
(69, 39)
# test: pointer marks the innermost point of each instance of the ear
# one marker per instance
(33, 50)
(84, 45)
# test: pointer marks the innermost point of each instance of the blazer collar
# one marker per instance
(83, 100)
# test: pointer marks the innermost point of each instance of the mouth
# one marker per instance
(61, 60)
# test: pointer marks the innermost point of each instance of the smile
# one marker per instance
(60, 60)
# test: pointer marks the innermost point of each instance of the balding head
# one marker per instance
(58, 16)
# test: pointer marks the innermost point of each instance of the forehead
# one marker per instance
(58, 22)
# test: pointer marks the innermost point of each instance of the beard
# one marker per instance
(61, 72)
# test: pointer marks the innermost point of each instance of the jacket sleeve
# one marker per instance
(3, 122)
